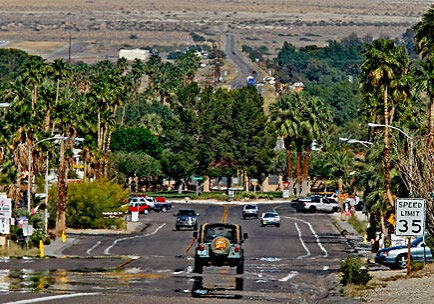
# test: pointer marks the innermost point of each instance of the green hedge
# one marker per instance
(86, 202)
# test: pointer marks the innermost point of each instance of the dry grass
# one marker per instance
(109, 25)
(230, 69)
(40, 47)
(17, 251)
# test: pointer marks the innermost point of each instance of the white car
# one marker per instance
(250, 210)
(270, 218)
(150, 201)
(316, 204)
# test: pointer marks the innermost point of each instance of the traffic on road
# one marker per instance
(226, 257)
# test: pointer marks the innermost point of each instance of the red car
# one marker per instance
(138, 204)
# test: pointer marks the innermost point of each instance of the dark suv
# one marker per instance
(186, 218)
(219, 245)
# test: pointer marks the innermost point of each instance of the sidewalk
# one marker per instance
(56, 248)
(360, 246)
(233, 202)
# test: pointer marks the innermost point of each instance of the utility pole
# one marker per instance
(69, 51)
(217, 62)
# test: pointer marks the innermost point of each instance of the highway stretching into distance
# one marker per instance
(295, 263)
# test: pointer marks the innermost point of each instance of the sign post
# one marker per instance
(198, 179)
(254, 183)
(410, 221)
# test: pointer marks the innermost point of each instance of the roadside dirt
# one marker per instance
(106, 26)
(392, 286)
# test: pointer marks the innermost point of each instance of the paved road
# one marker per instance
(241, 64)
(296, 263)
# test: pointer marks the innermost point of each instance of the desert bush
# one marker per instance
(85, 203)
(353, 272)
(416, 266)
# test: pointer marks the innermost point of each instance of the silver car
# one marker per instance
(396, 257)
(270, 218)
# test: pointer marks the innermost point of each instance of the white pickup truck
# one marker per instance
(313, 204)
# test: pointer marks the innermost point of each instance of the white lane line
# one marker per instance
(302, 243)
(43, 299)
(93, 247)
(107, 250)
(314, 234)
(289, 276)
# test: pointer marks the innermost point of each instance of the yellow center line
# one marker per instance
(190, 245)
(124, 263)
(225, 213)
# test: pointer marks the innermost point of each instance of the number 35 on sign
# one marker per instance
(410, 216)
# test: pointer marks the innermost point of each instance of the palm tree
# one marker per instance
(424, 37)
(59, 71)
(383, 79)
(284, 119)
(316, 121)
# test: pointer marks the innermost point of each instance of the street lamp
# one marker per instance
(374, 125)
(355, 141)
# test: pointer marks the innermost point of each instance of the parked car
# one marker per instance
(250, 211)
(138, 204)
(161, 204)
(150, 201)
(316, 203)
(270, 218)
(219, 245)
(186, 218)
(396, 257)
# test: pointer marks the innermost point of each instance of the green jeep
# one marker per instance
(219, 245)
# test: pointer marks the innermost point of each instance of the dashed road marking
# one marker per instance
(93, 247)
(107, 250)
(50, 298)
(289, 276)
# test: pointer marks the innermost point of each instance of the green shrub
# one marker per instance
(86, 202)
(353, 272)
(359, 226)
(416, 266)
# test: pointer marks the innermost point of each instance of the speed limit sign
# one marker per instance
(410, 217)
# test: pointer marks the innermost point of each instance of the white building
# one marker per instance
(133, 54)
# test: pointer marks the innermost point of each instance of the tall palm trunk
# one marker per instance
(61, 189)
(306, 161)
(299, 156)
(431, 119)
(387, 150)
(341, 190)
(304, 182)
(48, 115)
(99, 140)
(289, 160)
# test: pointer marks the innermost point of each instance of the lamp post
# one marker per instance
(410, 138)
(355, 141)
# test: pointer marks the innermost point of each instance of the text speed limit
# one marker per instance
(410, 216)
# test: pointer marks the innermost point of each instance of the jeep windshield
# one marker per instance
(213, 232)
(250, 207)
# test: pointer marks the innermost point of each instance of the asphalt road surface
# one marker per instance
(240, 62)
(295, 263)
